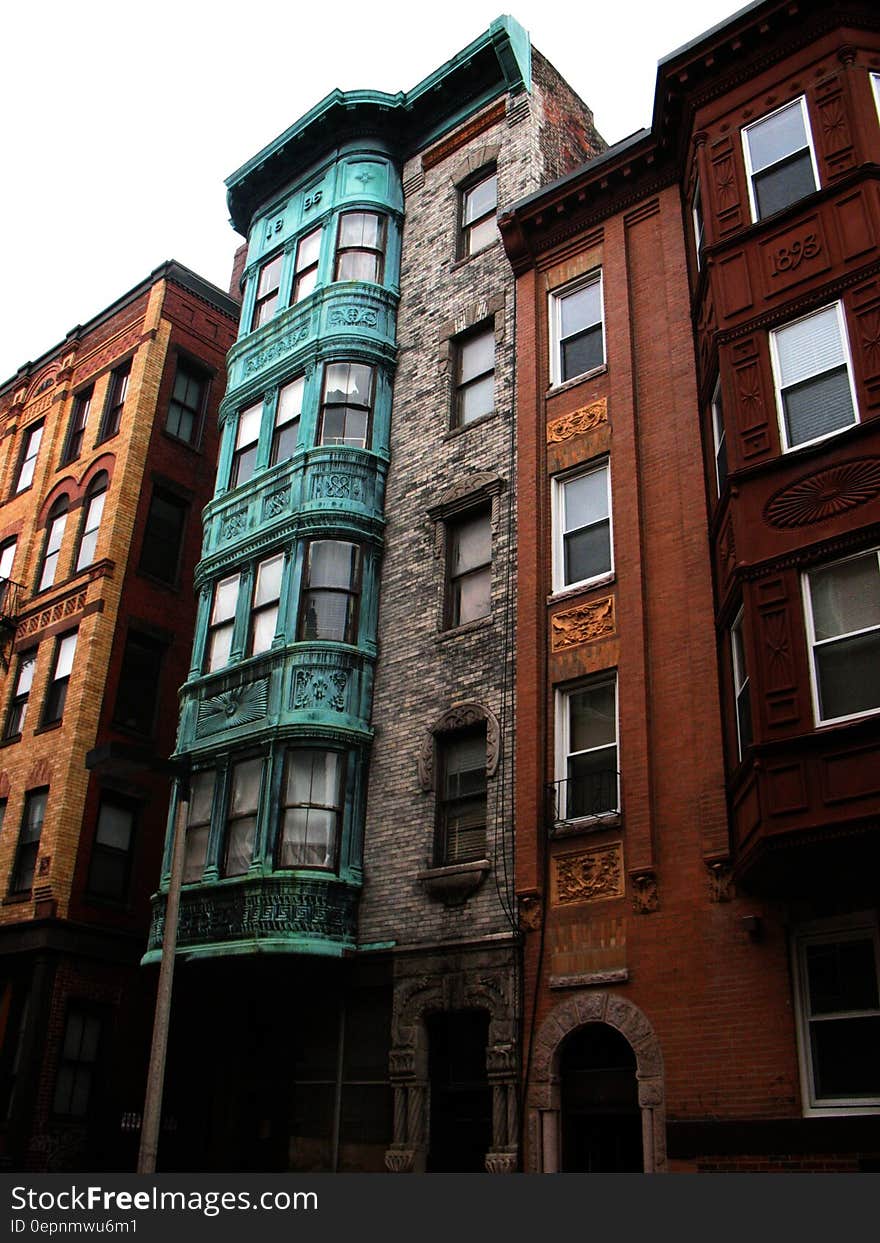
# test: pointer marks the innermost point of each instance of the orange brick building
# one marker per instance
(107, 452)
(699, 508)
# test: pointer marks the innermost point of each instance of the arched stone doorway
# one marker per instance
(545, 1087)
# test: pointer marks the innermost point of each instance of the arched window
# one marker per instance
(55, 525)
(94, 508)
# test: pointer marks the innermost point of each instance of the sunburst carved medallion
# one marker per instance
(826, 494)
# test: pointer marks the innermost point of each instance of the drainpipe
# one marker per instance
(156, 1074)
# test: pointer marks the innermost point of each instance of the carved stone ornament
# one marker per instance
(531, 912)
(589, 875)
(58, 612)
(584, 624)
(400, 1160)
(239, 706)
(645, 896)
(720, 880)
(500, 1162)
(579, 421)
(825, 494)
(459, 716)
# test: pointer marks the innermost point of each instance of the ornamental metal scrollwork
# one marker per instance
(275, 503)
(337, 486)
(314, 689)
(277, 349)
(352, 315)
(239, 706)
(233, 524)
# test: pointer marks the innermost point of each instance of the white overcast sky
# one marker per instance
(119, 120)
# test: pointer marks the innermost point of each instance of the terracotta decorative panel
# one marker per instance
(582, 420)
(851, 775)
(833, 136)
(723, 185)
(865, 338)
(751, 407)
(588, 875)
(584, 624)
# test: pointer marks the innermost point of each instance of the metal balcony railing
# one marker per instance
(593, 796)
(11, 596)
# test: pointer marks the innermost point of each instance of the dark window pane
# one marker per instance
(583, 352)
(842, 976)
(139, 684)
(818, 406)
(848, 673)
(784, 183)
(160, 553)
(588, 553)
(845, 1062)
(592, 783)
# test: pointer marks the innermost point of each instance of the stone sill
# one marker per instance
(454, 884)
(590, 979)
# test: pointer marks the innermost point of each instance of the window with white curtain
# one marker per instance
(815, 397)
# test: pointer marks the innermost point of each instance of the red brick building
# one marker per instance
(699, 616)
(107, 451)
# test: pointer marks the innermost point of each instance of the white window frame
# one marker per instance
(557, 297)
(699, 223)
(802, 100)
(719, 435)
(562, 737)
(559, 483)
(875, 83)
(741, 680)
(812, 641)
(777, 378)
(844, 928)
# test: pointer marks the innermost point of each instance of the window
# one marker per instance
(780, 165)
(27, 663)
(79, 417)
(52, 547)
(838, 1002)
(587, 750)
(287, 416)
(360, 250)
(331, 590)
(469, 558)
(719, 437)
(311, 809)
(25, 864)
(32, 438)
(198, 825)
(578, 335)
(7, 559)
(478, 206)
(346, 404)
(222, 623)
(875, 84)
(461, 805)
(65, 649)
(697, 218)
(78, 1063)
(139, 681)
(115, 401)
(582, 528)
(741, 687)
(163, 536)
(111, 853)
(814, 393)
(187, 403)
(266, 301)
(843, 631)
(244, 458)
(241, 820)
(305, 270)
(264, 610)
(88, 540)
(474, 376)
